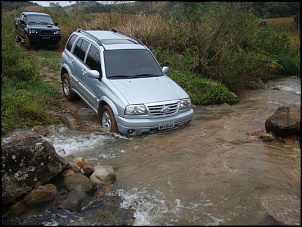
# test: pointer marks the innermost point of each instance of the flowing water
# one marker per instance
(212, 172)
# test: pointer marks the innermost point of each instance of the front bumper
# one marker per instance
(136, 127)
(45, 38)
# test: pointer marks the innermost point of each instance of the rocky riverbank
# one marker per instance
(37, 183)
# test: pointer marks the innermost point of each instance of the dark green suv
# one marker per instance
(37, 28)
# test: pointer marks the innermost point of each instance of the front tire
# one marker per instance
(108, 121)
(66, 86)
(17, 37)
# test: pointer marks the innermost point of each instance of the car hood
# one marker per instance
(43, 26)
(146, 90)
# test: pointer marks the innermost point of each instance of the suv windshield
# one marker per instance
(39, 19)
(127, 64)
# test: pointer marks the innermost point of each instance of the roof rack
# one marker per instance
(123, 33)
(99, 42)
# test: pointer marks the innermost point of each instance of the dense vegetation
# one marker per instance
(213, 48)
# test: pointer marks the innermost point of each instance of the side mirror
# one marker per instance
(93, 74)
(165, 69)
(56, 23)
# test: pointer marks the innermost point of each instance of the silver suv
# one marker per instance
(120, 79)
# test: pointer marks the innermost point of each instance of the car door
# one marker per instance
(80, 69)
(68, 58)
(93, 85)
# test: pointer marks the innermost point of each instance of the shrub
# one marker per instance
(287, 65)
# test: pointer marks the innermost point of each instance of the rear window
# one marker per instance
(71, 42)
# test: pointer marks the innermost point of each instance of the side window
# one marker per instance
(71, 42)
(80, 48)
(22, 17)
(93, 59)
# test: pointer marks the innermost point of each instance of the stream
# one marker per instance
(211, 172)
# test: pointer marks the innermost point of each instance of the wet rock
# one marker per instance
(105, 211)
(17, 208)
(70, 120)
(26, 164)
(67, 173)
(104, 189)
(41, 130)
(74, 201)
(75, 168)
(41, 195)
(285, 121)
(103, 174)
(40, 187)
(80, 182)
(80, 162)
(52, 129)
(88, 171)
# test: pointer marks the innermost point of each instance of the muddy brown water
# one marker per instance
(212, 172)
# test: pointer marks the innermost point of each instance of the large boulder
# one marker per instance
(285, 121)
(26, 164)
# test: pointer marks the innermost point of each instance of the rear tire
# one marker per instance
(108, 121)
(66, 86)
(27, 43)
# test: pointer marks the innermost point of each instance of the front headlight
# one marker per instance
(135, 110)
(33, 31)
(185, 104)
(56, 32)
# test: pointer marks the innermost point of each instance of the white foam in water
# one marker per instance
(152, 208)
(149, 206)
(52, 223)
(295, 90)
(80, 143)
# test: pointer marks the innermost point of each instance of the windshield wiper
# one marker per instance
(121, 77)
(147, 75)
(46, 23)
(33, 22)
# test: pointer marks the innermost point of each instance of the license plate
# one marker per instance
(166, 125)
(46, 37)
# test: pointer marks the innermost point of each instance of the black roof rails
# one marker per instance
(117, 31)
(99, 42)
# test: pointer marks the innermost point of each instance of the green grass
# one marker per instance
(51, 59)
(26, 104)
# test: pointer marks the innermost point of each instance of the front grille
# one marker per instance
(45, 32)
(163, 109)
